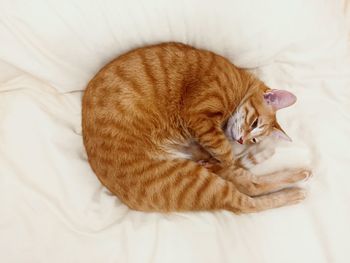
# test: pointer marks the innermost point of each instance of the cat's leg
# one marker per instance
(254, 185)
(204, 111)
(247, 182)
(183, 185)
(212, 138)
(254, 155)
(247, 159)
(281, 198)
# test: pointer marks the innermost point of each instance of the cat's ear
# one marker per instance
(278, 133)
(279, 99)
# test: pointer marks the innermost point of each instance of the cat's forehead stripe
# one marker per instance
(251, 114)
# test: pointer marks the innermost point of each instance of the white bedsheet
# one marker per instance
(53, 208)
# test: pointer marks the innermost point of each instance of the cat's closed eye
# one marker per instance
(255, 124)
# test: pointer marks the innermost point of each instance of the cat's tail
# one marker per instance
(184, 185)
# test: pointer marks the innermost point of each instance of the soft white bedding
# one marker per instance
(53, 209)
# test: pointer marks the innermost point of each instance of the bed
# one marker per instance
(53, 208)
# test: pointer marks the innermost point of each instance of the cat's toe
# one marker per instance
(301, 174)
(307, 174)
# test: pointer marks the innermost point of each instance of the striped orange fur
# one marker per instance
(151, 114)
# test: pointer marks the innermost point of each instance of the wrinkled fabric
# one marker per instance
(54, 209)
(66, 42)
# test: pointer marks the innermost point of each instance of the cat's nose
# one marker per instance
(240, 140)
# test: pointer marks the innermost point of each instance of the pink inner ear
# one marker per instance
(279, 99)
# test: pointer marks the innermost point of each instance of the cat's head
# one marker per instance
(255, 118)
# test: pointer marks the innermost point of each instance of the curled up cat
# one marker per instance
(159, 124)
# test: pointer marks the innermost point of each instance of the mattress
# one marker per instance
(53, 208)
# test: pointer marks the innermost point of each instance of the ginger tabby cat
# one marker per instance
(158, 126)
